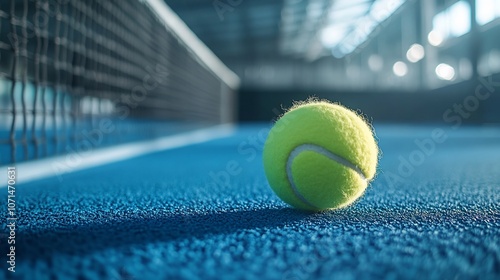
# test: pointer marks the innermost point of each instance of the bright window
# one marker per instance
(487, 10)
(454, 21)
(459, 17)
(440, 24)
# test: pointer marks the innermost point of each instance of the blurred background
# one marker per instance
(396, 60)
(66, 65)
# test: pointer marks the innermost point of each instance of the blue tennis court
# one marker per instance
(182, 213)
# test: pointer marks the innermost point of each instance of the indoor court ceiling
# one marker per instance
(258, 29)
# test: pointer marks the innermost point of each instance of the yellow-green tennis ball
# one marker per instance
(320, 156)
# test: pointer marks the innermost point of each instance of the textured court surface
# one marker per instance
(162, 216)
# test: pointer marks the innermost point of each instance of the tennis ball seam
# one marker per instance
(322, 151)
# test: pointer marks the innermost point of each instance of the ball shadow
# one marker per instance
(136, 230)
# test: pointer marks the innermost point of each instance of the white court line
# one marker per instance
(49, 167)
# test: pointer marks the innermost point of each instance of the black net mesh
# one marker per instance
(74, 70)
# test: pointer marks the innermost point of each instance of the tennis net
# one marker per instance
(110, 71)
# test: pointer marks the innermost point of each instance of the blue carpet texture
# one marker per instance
(207, 212)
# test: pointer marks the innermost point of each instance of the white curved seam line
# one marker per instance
(320, 150)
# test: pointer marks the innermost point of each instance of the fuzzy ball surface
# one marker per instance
(320, 156)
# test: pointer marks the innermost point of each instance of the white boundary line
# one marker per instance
(45, 168)
(172, 21)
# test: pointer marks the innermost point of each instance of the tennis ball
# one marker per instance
(320, 156)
